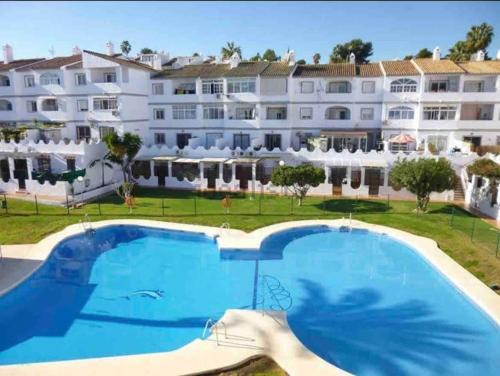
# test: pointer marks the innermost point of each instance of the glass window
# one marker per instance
(49, 79)
(83, 133)
(31, 106)
(213, 112)
(80, 79)
(70, 164)
(276, 113)
(82, 105)
(4, 80)
(185, 88)
(241, 141)
(366, 114)
(5, 105)
(160, 138)
(272, 141)
(306, 86)
(29, 81)
(109, 77)
(440, 112)
(104, 104)
(104, 131)
(403, 85)
(184, 111)
(339, 87)
(440, 143)
(473, 86)
(212, 86)
(183, 139)
(306, 113)
(368, 87)
(337, 113)
(245, 113)
(50, 105)
(241, 85)
(159, 113)
(401, 113)
(438, 86)
(158, 89)
(43, 164)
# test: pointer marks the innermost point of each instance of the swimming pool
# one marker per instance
(360, 300)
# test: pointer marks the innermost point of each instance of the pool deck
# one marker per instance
(249, 333)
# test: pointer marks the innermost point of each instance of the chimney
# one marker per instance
(479, 55)
(291, 57)
(8, 55)
(234, 61)
(110, 48)
(498, 55)
(436, 54)
(77, 51)
(352, 58)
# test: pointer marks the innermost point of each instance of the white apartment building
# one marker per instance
(225, 125)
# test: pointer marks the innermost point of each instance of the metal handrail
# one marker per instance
(211, 325)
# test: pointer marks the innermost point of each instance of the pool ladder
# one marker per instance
(346, 227)
(211, 326)
(86, 224)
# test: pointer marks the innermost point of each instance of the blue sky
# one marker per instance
(181, 28)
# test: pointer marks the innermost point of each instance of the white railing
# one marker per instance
(213, 326)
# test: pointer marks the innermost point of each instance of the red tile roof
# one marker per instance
(54, 63)
(17, 64)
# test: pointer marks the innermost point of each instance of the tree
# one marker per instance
(423, 53)
(298, 180)
(146, 51)
(301, 62)
(122, 151)
(229, 50)
(316, 58)
(125, 47)
(196, 54)
(422, 177)
(362, 51)
(408, 57)
(459, 52)
(479, 37)
(270, 55)
(256, 57)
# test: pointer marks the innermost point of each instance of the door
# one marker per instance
(183, 139)
(372, 180)
(337, 176)
(211, 173)
(273, 141)
(161, 171)
(243, 174)
(474, 141)
(21, 172)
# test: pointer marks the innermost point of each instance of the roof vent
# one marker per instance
(110, 48)
(8, 55)
(436, 54)
(77, 51)
(479, 55)
(352, 58)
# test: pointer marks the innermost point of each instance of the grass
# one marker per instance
(261, 366)
(468, 240)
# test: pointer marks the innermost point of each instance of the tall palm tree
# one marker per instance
(229, 49)
(316, 58)
(479, 37)
(122, 151)
(125, 47)
(459, 52)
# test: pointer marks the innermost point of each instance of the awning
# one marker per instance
(213, 160)
(402, 139)
(248, 160)
(380, 164)
(165, 158)
(343, 134)
(188, 160)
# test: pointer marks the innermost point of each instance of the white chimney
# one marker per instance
(291, 57)
(110, 48)
(479, 55)
(352, 58)
(436, 54)
(498, 55)
(76, 50)
(8, 55)
(234, 61)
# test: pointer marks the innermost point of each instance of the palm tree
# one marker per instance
(122, 151)
(125, 47)
(459, 52)
(316, 58)
(230, 49)
(479, 37)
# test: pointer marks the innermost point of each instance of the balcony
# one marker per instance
(474, 111)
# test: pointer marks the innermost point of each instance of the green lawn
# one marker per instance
(453, 232)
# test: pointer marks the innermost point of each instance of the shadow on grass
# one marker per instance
(354, 206)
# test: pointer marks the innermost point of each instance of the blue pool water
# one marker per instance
(360, 300)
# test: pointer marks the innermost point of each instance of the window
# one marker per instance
(306, 113)
(337, 113)
(245, 113)
(306, 87)
(401, 113)
(276, 113)
(70, 164)
(440, 143)
(83, 133)
(157, 89)
(338, 87)
(159, 113)
(50, 105)
(49, 79)
(243, 85)
(80, 79)
(185, 111)
(403, 85)
(473, 86)
(366, 114)
(29, 81)
(104, 104)
(213, 112)
(31, 106)
(109, 77)
(4, 80)
(272, 141)
(82, 105)
(212, 87)
(5, 105)
(160, 138)
(438, 86)
(44, 164)
(104, 131)
(183, 139)
(440, 112)
(368, 87)
(241, 141)
(185, 88)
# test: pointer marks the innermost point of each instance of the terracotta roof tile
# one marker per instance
(369, 70)
(54, 63)
(400, 68)
(481, 67)
(247, 68)
(194, 71)
(17, 64)
(118, 60)
(277, 69)
(430, 66)
(325, 70)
